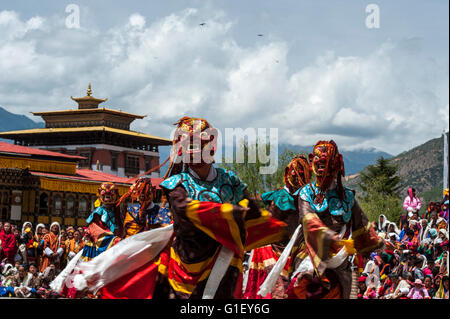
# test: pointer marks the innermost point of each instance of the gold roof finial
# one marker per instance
(88, 102)
(89, 91)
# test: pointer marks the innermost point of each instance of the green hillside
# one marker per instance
(420, 167)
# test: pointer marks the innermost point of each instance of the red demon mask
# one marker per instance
(327, 163)
(297, 173)
(195, 140)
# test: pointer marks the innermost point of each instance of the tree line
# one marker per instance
(379, 183)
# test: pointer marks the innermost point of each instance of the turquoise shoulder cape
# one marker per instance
(225, 188)
(331, 201)
(106, 216)
(281, 197)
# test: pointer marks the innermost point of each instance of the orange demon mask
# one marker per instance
(142, 190)
(297, 173)
(108, 193)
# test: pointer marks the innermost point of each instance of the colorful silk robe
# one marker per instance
(102, 224)
(187, 274)
(200, 228)
(319, 241)
(99, 239)
(155, 216)
(203, 225)
(282, 207)
(107, 217)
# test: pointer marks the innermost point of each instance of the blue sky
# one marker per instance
(317, 73)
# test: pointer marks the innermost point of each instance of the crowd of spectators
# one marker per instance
(414, 262)
(412, 265)
(32, 257)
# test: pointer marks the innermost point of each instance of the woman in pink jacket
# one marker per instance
(411, 203)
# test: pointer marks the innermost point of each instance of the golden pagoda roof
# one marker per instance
(82, 111)
(164, 141)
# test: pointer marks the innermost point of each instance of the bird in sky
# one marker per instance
(260, 35)
(203, 23)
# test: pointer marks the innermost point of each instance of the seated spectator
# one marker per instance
(382, 224)
(388, 289)
(393, 238)
(47, 277)
(423, 230)
(418, 291)
(34, 280)
(410, 240)
(428, 284)
(402, 234)
(428, 270)
(442, 236)
(417, 269)
(442, 260)
(8, 273)
(20, 283)
(427, 249)
(442, 292)
(372, 283)
(433, 234)
(403, 284)
(392, 228)
(432, 207)
(444, 211)
(362, 286)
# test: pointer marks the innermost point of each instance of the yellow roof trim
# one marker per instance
(83, 129)
(93, 110)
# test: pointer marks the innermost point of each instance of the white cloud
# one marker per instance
(137, 21)
(171, 67)
(11, 27)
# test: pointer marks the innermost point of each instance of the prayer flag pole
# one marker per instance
(445, 180)
(445, 177)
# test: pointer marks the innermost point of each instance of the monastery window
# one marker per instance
(70, 203)
(4, 214)
(132, 165)
(148, 165)
(86, 162)
(57, 203)
(114, 162)
(43, 204)
(4, 205)
(4, 198)
(82, 207)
